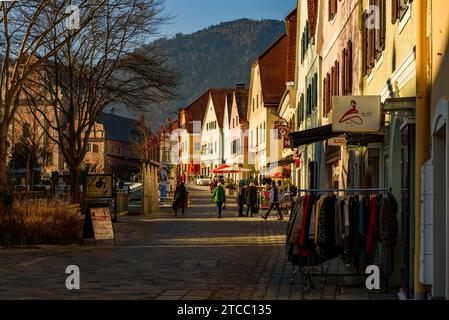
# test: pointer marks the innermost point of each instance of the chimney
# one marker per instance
(240, 86)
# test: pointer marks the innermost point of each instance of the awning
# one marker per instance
(283, 162)
(301, 138)
(319, 134)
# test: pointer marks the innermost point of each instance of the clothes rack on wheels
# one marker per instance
(309, 267)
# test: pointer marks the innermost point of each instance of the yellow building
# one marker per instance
(268, 74)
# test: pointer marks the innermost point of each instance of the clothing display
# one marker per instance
(352, 227)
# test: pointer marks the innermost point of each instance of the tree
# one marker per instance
(103, 65)
(31, 147)
(26, 29)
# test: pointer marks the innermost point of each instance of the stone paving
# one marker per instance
(163, 257)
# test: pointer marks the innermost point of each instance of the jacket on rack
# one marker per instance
(388, 223)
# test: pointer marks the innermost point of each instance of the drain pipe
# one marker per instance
(422, 134)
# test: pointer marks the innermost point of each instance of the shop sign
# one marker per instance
(283, 131)
(99, 186)
(102, 223)
(356, 114)
(337, 141)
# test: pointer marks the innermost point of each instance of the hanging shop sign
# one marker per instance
(356, 114)
(337, 141)
(283, 131)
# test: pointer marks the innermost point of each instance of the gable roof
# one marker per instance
(219, 97)
(118, 128)
(273, 68)
(241, 98)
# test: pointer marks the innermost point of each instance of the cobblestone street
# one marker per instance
(165, 257)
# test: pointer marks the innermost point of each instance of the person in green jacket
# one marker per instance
(219, 196)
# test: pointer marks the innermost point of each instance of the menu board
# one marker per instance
(102, 224)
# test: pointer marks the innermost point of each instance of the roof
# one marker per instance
(229, 100)
(219, 97)
(312, 13)
(273, 67)
(118, 128)
(241, 97)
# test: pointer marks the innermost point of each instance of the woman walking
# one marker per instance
(274, 198)
(241, 197)
(219, 196)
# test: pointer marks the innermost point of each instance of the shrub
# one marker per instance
(40, 222)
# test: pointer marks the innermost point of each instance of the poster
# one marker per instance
(102, 223)
(99, 186)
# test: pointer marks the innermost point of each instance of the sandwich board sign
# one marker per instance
(356, 114)
(101, 223)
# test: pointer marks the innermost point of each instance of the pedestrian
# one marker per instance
(274, 198)
(180, 197)
(219, 196)
(213, 185)
(241, 198)
(251, 199)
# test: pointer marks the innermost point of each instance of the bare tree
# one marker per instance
(26, 29)
(31, 147)
(103, 65)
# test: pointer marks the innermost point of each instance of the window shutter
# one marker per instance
(364, 45)
(337, 78)
(394, 11)
(328, 102)
(383, 23)
(324, 95)
(343, 73)
(350, 65)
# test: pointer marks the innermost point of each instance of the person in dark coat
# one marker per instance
(180, 198)
(241, 197)
(251, 199)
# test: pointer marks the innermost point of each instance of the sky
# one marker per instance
(193, 15)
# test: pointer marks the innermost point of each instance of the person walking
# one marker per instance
(219, 196)
(274, 198)
(180, 198)
(241, 197)
(251, 199)
(213, 185)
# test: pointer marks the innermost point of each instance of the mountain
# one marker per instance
(218, 56)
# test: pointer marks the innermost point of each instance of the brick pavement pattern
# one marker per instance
(165, 257)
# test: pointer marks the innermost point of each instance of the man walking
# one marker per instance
(274, 198)
(180, 197)
(219, 196)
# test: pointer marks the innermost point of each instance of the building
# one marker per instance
(112, 146)
(212, 131)
(267, 85)
(238, 135)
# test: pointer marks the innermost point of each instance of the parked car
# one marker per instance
(203, 181)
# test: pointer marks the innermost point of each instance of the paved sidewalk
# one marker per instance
(165, 257)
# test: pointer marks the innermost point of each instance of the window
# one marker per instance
(305, 41)
(216, 150)
(89, 147)
(315, 91)
(346, 70)
(327, 94)
(373, 39)
(253, 104)
(96, 148)
(300, 111)
(332, 8)
(399, 9)
(257, 105)
(197, 146)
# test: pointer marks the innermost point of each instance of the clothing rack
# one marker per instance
(378, 190)
(308, 274)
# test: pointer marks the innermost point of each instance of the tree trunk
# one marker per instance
(75, 173)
